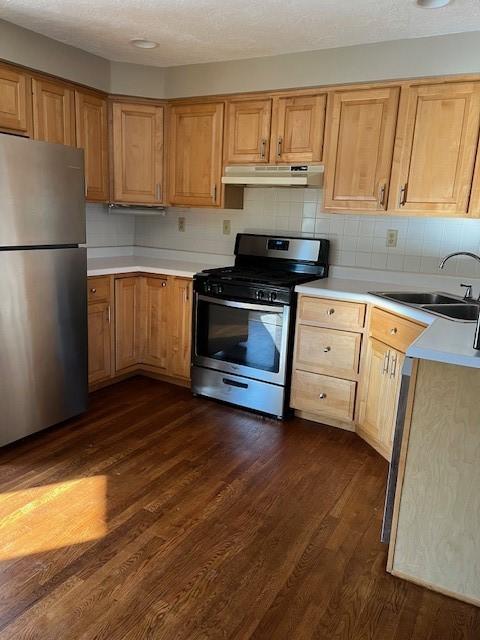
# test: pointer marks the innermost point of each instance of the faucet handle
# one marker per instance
(468, 291)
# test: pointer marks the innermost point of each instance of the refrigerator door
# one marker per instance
(42, 193)
(43, 339)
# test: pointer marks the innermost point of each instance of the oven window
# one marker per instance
(240, 336)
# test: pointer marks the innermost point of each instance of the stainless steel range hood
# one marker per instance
(275, 175)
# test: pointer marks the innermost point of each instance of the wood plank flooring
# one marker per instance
(162, 516)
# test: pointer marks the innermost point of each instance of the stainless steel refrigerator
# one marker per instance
(43, 306)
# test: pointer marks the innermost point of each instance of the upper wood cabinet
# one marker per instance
(248, 131)
(137, 142)
(15, 100)
(53, 112)
(298, 128)
(435, 149)
(92, 136)
(195, 154)
(358, 158)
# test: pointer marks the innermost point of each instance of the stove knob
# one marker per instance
(273, 296)
(260, 294)
(219, 288)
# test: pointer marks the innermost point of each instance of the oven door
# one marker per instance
(241, 337)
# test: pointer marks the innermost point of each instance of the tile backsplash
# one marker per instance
(107, 230)
(356, 240)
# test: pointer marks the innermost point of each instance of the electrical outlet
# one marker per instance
(227, 227)
(181, 224)
(392, 237)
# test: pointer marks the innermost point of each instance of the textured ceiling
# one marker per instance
(191, 31)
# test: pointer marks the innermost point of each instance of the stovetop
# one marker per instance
(273, 277)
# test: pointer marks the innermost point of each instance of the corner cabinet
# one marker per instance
(15, 101)
(437, 137)
(137, 153)
(91, 122)
(359, 150)
(53, 112)
(195, 154)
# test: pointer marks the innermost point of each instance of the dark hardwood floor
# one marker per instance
(159, 515)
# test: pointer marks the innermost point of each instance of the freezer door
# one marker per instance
(42, 193)
(43, 339)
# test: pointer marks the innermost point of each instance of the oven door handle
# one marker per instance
(241, 305)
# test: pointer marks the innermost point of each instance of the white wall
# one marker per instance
(108, 230)
(137, 80)
(457, 53)
(355, 240)
(44, 54)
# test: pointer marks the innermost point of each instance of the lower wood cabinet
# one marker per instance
(127, 322)
(180, 325)
(100, 334)
(154, 322)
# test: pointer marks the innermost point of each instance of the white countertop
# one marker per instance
(442, 341)
(129, 264)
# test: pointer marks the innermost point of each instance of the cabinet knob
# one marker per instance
(164, 284)
(322, 396)
(393, 331)
(327, 349)
(93, 290)
(330, 312)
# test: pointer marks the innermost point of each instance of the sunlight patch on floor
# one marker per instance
(53, 516)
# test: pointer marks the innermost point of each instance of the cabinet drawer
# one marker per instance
(329, 351)
(322, 394)
(99, 289)
(331, 313)
(393, 330)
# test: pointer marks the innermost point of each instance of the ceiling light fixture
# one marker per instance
(143, 44)
(432, 4)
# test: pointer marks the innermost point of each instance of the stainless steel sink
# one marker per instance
(438, 303)
(419, 299)
(466, 312)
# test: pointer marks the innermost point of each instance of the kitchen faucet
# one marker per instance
(468, 292)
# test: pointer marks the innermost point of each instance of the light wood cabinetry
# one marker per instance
(298, 128)
(15, 100)
(99, 329)
(195, 154)
(180, 327)
(390, 336)
(92, 136)
(53, 111)
(137, 156)
(436, 143)
(248, 131)
(361, 133)
(154, 318)
(127, 326)
(326, 359)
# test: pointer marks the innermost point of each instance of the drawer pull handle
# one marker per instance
(322, 396)
(235, 383)
(393, 331)
(93, 290)
(330, 312)
(327, 349)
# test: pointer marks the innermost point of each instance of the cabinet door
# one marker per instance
(195, 154)
(154, 320)
(360, 146)
(99, 342)
(297, 135)
(248, 131)
(127, 330)
(53, 112)
(374, 404)
(15, 100)
(435, 149)
(137, 153)
(92, 137)
(180, 323)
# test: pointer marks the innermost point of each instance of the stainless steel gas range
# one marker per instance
(244, 319)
